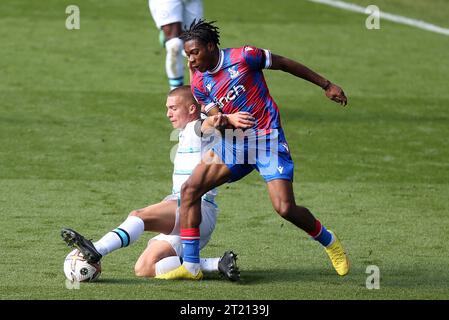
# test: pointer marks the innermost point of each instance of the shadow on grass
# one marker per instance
(248, 277)
(119, 281)
(389, 278)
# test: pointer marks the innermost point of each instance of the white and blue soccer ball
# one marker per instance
(77, 269)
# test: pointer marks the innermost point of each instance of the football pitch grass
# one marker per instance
(84, 140)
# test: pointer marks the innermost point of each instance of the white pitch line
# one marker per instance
(387, 16)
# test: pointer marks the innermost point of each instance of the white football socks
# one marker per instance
(167, 264)
(192, 267)
(332, 239)
(128, 232)
(209, 264)
(174, 62)
(171, 263)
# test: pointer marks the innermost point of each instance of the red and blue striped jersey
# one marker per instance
(237, 84)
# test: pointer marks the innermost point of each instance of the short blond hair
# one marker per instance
(186, 93)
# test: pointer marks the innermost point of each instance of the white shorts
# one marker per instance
(209, 214)
(170, 11)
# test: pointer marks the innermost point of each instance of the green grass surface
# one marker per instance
(84, 140)
(431, 11)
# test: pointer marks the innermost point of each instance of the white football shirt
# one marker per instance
(187, 157)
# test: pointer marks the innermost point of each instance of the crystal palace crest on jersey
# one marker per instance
(209, 87)
(233, 72)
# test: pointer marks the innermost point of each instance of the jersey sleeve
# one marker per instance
(257, 58)
(200, 94)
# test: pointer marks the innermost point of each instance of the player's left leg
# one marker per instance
(283, 200)
(159, 258)
(226, 265)
(157, 250)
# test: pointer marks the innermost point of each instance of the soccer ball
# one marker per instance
(77, 269)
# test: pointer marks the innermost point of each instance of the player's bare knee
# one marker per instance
(174, 46)
(144, 269)
(135, 213)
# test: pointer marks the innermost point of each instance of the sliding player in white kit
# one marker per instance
(171, 16)
(164, 250)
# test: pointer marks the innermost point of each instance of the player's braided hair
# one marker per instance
(203, 31)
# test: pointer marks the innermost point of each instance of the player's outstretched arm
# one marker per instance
(332, 91)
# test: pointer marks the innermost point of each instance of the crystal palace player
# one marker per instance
(231, 80)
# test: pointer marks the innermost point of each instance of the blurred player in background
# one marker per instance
(229, 81)
(163, 251)
(170, 17)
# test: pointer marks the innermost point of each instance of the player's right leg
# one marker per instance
(174, 60)
(168, 16)
(85, 246)
(158, 217)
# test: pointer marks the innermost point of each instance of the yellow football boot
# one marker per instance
(338, 256)
(180, 273)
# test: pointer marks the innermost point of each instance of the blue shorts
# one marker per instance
(269, 154)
